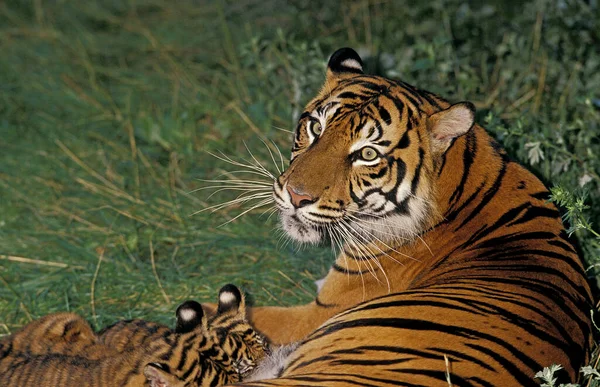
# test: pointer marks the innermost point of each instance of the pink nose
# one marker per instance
(299, 199)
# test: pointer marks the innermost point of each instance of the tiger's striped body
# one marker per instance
(66, 352)
(492, 282)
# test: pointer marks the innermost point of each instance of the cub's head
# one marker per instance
(240, 342)
(209, 352)
(364, 158)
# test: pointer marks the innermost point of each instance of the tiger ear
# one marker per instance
(344, 61)
(189, 315)
(448, 124)
(231, 299)
(158, 376)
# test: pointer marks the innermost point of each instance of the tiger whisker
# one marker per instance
(389, 226)
(269, 211)
(375, 237)
(282, 129)
(258, 163)
(394, 236)
(358, 248)
(339, 240)
(238, 188)
(334, 242)
(249, 171)
(239, 181)
(365, 243)
(244, 189)
(381, 251)
(252, 167)
(241, 199)
(283, 236)
(260, 204)
(272, 157)
(281, 158)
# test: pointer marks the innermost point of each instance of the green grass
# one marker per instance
(108, 109)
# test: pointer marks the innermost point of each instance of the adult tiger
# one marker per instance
(450, 248)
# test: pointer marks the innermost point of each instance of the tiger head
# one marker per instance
(365, 156)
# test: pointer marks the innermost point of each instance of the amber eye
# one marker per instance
(316, 129)
(368, 154)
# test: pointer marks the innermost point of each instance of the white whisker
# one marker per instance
(260, 204)
(241, 199)
(281, 158)
(365, 230)
(365, 245)
(375, 258)
(339, 240)
(239, 181)
(283, 130)
(389, 225)
(358, 247)
(259, 169)
(258, 163)
(245, 190)
(272, 157)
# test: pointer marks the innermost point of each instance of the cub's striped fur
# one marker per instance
(449, 248)
(62, 350)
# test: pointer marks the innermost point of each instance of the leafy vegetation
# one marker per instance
(108, 109)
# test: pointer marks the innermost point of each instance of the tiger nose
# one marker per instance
(300, 199)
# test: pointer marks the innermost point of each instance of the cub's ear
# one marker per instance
(449, 124)
(344, 61)
(231, 299)
(189, 315)
(159, 376)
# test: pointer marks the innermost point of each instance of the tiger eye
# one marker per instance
(368, 154)
(316, 129)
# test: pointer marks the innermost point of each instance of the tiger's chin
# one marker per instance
(300, 231)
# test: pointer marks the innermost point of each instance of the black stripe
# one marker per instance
(505, 239)
(542, 195)
(468, 158)
(385, 115)
(399, 106)
(417, 176)
(379, 174)
(488, 196)
(534, 212)
(502, 221)
(323, 378)
(322, 304)
(422, 325)
(404, 142)
(449, 217)
(508, 364)
(412, 97)
(562, 245)
(431, 98)
(349, 95)
(345, 270)
(439, 376)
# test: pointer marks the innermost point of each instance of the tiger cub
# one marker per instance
(198, 352)
(64, 333)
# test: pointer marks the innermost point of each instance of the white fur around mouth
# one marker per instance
(299, 230)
